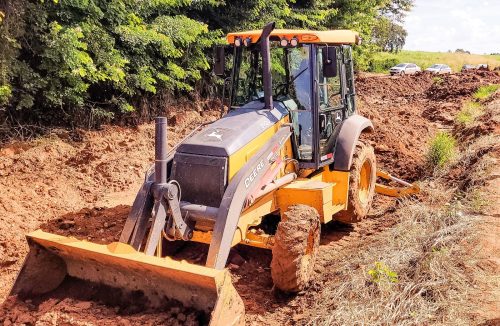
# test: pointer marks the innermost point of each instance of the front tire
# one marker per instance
(295, 248)
(362, 179)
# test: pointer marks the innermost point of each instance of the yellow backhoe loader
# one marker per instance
(286, 158)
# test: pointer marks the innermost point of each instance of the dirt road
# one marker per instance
(82, 184)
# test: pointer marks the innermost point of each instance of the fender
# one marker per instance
(349, 133)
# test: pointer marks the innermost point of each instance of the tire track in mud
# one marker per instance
(266, 306)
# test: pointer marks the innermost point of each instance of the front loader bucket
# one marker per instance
(53, 257)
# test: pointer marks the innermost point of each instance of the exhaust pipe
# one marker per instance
(266, 65)
(161, 150)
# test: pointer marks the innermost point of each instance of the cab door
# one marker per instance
(347, 76)
(330, 104)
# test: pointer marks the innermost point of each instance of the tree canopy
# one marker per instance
(61, 60)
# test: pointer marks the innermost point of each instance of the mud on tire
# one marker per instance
(295, 248)
(362, 179)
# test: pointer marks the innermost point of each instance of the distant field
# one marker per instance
(384, 60)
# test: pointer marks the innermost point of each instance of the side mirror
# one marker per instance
(219, 61)
(329, 61)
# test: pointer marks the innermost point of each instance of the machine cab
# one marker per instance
(312, 76)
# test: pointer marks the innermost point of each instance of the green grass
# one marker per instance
(469, 113)
(441, 149)
(382, 61)
(485, 91)
(437, 80)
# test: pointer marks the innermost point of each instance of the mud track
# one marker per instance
(84, 189)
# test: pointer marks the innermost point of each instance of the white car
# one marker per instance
(439, 69)
(404, 69)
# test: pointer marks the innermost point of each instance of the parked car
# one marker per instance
(468, 68)
(404, 69)
(439, 69)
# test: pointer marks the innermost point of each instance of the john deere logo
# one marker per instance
(251, 178)
(216, 134)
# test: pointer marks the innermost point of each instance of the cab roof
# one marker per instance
(341, 36)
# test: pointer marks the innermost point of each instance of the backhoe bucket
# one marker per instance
(52, 258)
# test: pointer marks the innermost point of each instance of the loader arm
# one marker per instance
(242, 184)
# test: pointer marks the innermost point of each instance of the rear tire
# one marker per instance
(295, 248)
(362, 178)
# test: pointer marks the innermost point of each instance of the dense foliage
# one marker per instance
(78, 61)
(97, 55)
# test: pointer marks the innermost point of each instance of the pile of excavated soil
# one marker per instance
(395, 106)
(49, 183)
(42, 180)
(407, 111)
(83, 189)
(82, 303)
(100, 224)
(447, 94)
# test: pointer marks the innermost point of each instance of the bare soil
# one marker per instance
(82, 184)
(407, 111)
(76, 302)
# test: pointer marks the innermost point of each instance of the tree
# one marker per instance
(77, 61)
(72, 59)
(388, 35)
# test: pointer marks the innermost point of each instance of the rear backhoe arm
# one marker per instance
(406, 189)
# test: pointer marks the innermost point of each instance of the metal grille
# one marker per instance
(202, 178)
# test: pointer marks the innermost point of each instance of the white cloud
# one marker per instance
(440, 25)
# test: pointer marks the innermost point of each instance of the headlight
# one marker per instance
(247, 41)
(284, 42)
(237, 41)
(294, 41)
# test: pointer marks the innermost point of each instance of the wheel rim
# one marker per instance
(365, 176)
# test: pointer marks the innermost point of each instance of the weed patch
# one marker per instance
(381, 273)
(437, 80)
(484, 92)
(469, 113)
(441, 149)
(5, 94)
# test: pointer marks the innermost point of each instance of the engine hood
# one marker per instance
(233, 131)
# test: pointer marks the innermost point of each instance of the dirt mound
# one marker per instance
(486, 124)
(395, 105)
(98, 224)
(447, 94)
(455, 87)
(406, 111)
(76, 303)
(391, 87)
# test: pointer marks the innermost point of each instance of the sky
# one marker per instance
(442, 25)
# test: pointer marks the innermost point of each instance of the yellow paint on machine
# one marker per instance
(238, 159)
(118, 265)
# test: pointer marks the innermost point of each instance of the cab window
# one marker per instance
(330, 104)
(349, 76)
